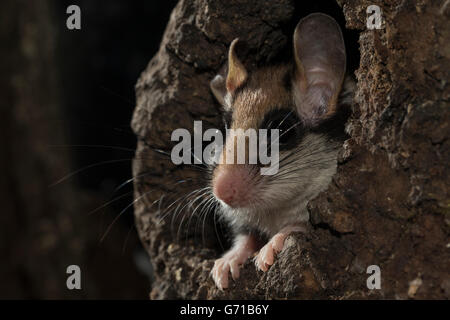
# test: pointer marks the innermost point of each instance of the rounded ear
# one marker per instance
(236, 76)
(320, 63)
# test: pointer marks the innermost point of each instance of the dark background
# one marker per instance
(67, 101)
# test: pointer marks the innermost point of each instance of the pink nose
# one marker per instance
(231, 186)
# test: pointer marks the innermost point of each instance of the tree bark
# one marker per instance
(388, 204)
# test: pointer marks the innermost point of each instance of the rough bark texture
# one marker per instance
(388, 204)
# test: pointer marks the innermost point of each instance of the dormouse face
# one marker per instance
(296, 99)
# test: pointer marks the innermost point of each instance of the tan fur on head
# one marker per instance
(264, 91)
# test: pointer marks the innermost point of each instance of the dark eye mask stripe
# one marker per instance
(290, 126)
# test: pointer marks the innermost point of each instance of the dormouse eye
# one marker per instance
(288, 124)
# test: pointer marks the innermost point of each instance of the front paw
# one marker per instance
(222, 268)
(266, 256)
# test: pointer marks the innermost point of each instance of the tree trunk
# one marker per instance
(388, 205)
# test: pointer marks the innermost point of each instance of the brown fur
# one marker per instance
(264, 92)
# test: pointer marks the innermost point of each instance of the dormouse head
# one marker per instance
(295, 98)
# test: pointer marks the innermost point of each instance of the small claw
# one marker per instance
(243, 248)
(266, 255)
(259, 265)
(220, 273)
(234, 269)
(278, 243)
